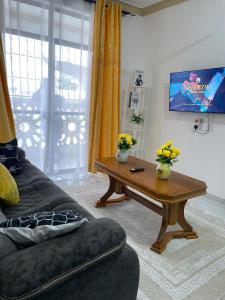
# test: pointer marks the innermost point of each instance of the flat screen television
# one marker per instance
(201, 91)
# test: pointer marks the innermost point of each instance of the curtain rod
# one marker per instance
(124, 12)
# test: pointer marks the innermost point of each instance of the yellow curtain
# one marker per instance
(7, 128)
(105, 84)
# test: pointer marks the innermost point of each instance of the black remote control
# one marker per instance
(134, 170)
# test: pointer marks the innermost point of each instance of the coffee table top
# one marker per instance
(177, 188)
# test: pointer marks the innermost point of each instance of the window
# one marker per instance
(47, 59)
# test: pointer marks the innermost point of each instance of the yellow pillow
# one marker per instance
(9, 194)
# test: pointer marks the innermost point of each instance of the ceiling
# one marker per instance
(141, 3)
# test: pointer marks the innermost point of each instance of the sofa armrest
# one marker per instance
(34, 270)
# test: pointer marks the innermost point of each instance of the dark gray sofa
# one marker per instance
(93, 262)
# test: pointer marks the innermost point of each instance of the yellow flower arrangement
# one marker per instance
(169, 143)
(125, 141)
(167, 154)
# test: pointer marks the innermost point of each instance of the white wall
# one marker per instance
(132, 40)
(132, 45)
(184, 37)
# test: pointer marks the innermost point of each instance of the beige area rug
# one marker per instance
(188, 269)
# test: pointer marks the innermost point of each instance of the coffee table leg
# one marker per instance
(114, 187)
(160, 245)
(172, 214)
(190, 234)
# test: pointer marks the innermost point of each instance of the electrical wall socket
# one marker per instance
(200, 123)
(196, 123)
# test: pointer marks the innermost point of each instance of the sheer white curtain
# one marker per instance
(47, 44)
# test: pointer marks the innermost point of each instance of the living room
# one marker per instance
(111, 149)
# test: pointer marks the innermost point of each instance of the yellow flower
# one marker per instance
(129, 139)
(172, 155)
(126, 136)
(176, 151)
(169, 143)
(159, 152)
(122, 135)
(166, 153)
(163, 146)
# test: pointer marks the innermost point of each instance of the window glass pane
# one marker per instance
(38, 68)
(23, 62)
(27, 62)
(33, 19)
(25, 75)
(37, 48)
(26, 69)
(31, 47)
(31, 67)
(72, 28)
(31, 86)
(7, 43)
(24, 87)
(15, 65)
(16, 86)
(70, 68)
(23, 46)
(14, 44)
(8, 64)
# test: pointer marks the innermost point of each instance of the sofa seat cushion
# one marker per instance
(37, 269)
(36, 197)
(38, 193)
(29, 175)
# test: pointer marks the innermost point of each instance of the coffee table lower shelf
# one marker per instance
(172, 213)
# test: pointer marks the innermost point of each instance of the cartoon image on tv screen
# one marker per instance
(198, 91)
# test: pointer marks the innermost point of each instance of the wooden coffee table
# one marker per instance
(172, 194)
